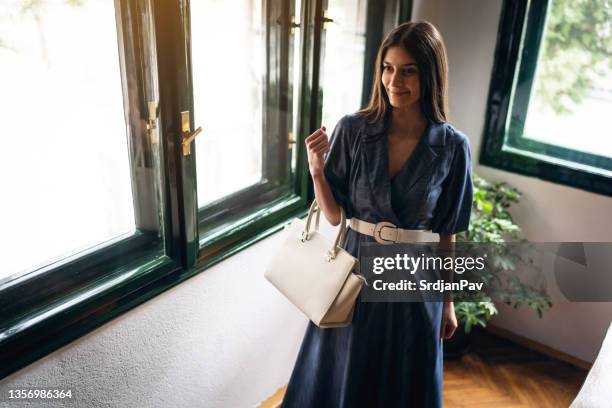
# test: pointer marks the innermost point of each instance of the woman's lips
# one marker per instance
(399, 93)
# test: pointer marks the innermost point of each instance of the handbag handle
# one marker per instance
(341, 233)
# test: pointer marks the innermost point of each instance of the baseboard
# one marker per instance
(539, 347)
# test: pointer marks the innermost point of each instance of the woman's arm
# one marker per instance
(325, 199)
(449, 320)
(447, 243)
(317, 144)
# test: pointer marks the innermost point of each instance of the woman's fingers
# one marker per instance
(317, 142)
(321, 151)
(448, 328)
(313, 136)
(316, 136)
(321, 144)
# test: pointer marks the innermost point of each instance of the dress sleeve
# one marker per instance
(454, 207)
(338, 164)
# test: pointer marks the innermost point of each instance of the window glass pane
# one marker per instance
(573, 83)
(228, 56)
(344, 59)
(64, 167)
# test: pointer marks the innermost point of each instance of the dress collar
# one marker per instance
(418, 168)
(435, 133)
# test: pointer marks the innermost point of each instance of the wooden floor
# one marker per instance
(499, 373)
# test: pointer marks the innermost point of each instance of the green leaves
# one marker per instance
(577, 45)
(485, 206)
(471, 314)
(492, 222)
(506, 225)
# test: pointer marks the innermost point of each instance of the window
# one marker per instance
(76, 97)
(109, 200)
(352, 32)
(244, 100)
(550, 91)
(83, 208)
(343, 63)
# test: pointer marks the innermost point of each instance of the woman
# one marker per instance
(395, 161)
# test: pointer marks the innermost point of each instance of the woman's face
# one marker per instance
(400, 77)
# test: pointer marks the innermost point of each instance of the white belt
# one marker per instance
(385, 232)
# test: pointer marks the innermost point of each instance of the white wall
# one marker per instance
(224, 338)
(547, 211)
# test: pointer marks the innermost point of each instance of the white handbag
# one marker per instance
(320, 278)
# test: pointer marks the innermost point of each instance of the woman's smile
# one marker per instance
(396, 92)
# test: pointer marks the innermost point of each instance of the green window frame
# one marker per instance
(44, 309)
(50, 307)
(521, 29)
(218, 240)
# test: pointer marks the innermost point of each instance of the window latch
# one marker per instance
(152, 122)
(327, 20)
(188, 135)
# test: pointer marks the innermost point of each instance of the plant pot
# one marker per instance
(458, 345)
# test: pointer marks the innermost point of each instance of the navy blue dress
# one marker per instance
(391, 354)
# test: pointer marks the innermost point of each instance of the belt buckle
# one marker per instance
(377, 231)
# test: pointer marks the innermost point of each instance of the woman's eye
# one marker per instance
(387, 68)
(409, 71)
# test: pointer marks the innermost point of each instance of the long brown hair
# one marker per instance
(424, 43)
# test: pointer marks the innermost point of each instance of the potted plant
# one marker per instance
(491, 222)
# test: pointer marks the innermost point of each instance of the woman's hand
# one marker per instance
(316, 145)
(449, 321)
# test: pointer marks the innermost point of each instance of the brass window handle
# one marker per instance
(188, 135)
(327, 20)
(152, 122)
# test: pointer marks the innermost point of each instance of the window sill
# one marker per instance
(32, 336)
(238, 234)
(528, 166)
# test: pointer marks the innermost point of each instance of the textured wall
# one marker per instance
(223, 338)
(548, 211)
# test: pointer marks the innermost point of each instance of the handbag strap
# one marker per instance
(341, 234)
(339, 242)
(314, 207)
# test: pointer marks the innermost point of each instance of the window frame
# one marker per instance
(275, 200)
(521, 28)
(61, 302)
(241, 231)
(42, 310)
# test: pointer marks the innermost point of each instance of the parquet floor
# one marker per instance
(500, 373)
